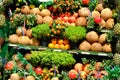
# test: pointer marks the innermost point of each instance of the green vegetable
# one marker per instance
(75, 33)
(41, 30)
(49, 58)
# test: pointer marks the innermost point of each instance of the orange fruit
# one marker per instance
(67, 46)
(54, 41)
(66, 41)
(57, 46)
(60, 41)
(51, 45)
(62, 46)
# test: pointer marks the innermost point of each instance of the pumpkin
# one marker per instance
(109, 23)
(14, 76)
(96, 47)
(106, 13)
(102, 23)
(34, 42)
(92, 37)
(29, 33)
(48, 19)
(102, 38)
(24, 40)
(84, 12)
(95, 14)
(107, 47)
(20, 31)
(39, 19)
(25, 9)
(13, 38)
(45, 12)
(81, 21)
(85, 46)
(99, 7)
(30, 78)
(35, 11)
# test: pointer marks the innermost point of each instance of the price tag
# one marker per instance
(85, 53)
(73, 52)
(44, 0)
(101, 54)
(58, 50)
(14, 45)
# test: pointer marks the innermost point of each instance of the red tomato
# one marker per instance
(67, 14)
(22, 78)
(75, 15)
(97, 20)
(38, 70)
(72, 74)
(62, 15)
(85, 2)
(71, 19)
(9, 66)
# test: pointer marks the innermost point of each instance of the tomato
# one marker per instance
(97, 20)
(98, 75)
(67, 14)
(9, 66)
(38, 70)
(85, 2)
(72, 74)
(71, 19)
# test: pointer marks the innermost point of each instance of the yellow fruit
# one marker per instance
(51, 45)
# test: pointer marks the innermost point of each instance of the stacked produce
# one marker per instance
(88, 25)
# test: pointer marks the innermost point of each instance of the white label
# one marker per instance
(85, 53)
(12, 45)
(44, 0)
(58, 50)
(101, 54)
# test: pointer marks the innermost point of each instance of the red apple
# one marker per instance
(78, 66)
(38, 70)
(72, 74)
(97, 20)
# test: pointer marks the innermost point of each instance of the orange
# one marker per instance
(57, 46)
(62, 46)
(66, 41)
(67, 46)
(60, 41)
(54, 41)
(51, 45)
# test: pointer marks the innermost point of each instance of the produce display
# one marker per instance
(60, 39)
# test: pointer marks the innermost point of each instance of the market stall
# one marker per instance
(60, 39)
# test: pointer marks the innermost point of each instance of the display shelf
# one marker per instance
(77, 52)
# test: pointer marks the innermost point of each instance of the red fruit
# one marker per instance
(51, 8)
(71, 19)
(97, 20)
(75, 15)
(38, 70)
(62, 15)
(98, 75)
(67, 14)
(65, 19)
(98, 65)
(22, 78)
(9, 66)
(85, 2)
(72, 74)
